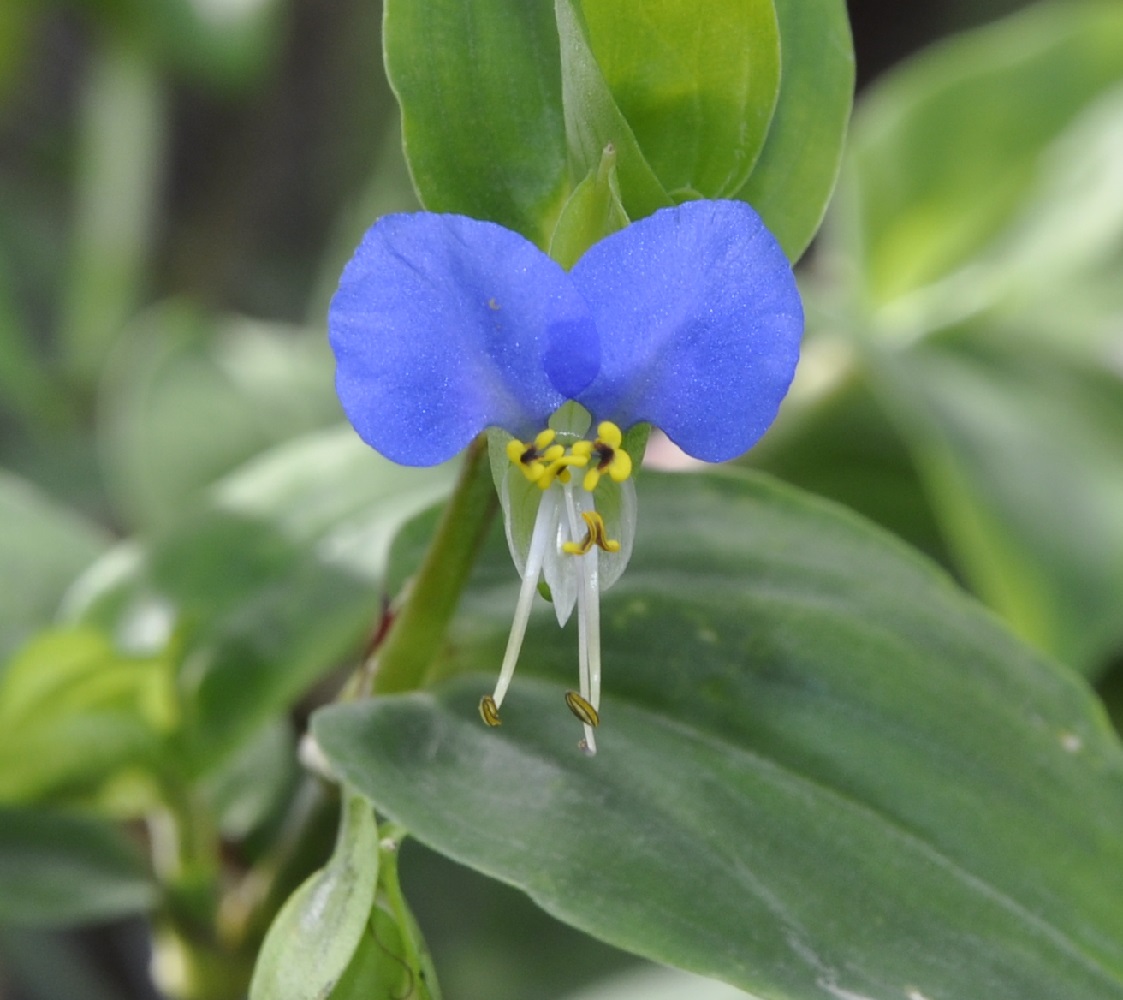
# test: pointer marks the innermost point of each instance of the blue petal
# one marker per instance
(441, 327)
(700, 322)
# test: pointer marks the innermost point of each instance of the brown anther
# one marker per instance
(489, 711)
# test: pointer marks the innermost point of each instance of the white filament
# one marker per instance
(588, 620)
(542, 538)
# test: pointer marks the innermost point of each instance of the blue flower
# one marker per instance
(445, 326)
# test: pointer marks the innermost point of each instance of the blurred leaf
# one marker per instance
(801, 720)
(188, 398)
(1021, 453)
(24, 387)
(1001, 375)
(118, 171)
(942, 152)
(480, 94)
(62, 868)
(15, 27)
(319, 929)
(794, 176)
(268, 586)
(255, 783)
(697, 86)
(226, 44)
(44, 964)
(43, 546)
(836, 438)
(80, 722)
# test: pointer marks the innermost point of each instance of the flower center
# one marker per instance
(545, 459)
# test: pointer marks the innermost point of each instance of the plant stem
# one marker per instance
(419, 629)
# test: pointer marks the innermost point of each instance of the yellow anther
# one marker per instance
(536, 458)
(489, 711)
(620, 468)
(582, 709)
(543, 460)
(610, 434)
(596, 535)
(558, 463)
(607, 456)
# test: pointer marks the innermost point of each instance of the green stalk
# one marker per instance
(419, 630)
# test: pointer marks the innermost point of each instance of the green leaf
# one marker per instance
(118, 174)
(480, 92)
(824, 768)
(835, 438)
(319, 929)
(1021, 453)
(266, 588)
(943, 151)
(63, 868)
(594, 122)
(81, 722)
(193, 397)
(795, 173)
(657, 984)
(696, 87)
(256, 784)
(43, 546)
(592, 212)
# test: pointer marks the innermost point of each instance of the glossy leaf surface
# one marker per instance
(813, 764)
(794, 176)
(480, 92)
(696, 87)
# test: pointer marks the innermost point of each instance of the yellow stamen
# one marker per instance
(597, 535)
(558, 467)
(543, 460)
(536, 458)
(610, 434)
(489, 711)
(607, 456)
(582, 709)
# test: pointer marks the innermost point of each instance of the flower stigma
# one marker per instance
(564, 542)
